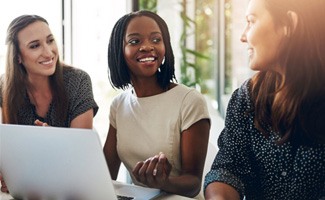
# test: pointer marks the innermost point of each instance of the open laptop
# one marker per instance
(59, 163)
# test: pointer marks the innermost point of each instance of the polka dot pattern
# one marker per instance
(257, 167)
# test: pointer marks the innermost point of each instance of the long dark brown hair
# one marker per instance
(15, 79)
(294, 104)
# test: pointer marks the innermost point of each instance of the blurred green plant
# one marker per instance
(190, 69)
(191, 73)
(150, 5)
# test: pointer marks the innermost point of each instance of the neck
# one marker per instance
(39, 84)
(147, 88)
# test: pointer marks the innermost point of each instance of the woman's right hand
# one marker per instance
(153, 172)
(3, 185)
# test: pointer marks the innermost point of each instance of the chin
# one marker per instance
(51, 72)
(253, 67)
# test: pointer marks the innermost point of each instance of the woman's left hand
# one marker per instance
(40, 123)
(154, 171)
(3, 185)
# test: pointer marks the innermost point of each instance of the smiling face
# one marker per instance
(38, 49)
(262, 36)
(144, 47)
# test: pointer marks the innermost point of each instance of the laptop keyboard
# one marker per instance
(120, 197)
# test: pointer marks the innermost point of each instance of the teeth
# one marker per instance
(147, 59)
(47, 62)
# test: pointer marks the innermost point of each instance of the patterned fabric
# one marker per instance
(80, 99)
(257, 167)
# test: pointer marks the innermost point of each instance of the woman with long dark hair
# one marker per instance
(38, 89)
(273, 143)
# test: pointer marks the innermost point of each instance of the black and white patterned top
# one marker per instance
(80, 99)
(260, 169)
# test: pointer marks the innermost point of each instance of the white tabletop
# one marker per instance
(164, 196)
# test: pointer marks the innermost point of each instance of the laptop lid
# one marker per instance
(54, 163)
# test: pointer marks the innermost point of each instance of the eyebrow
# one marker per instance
(137, 34)
(49, 36)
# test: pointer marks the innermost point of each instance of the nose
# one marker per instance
(146, 48)
(243, 37)
(47, 51)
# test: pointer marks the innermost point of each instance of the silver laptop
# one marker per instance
(57, 163)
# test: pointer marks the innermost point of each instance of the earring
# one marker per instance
(287, 31)
(163, 61)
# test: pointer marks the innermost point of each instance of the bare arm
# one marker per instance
(110, 152)
(84, 120)
(154, 172)
(220, 191)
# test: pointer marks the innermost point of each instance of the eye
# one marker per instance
(50, 40)
(156, 40)
(250, 21)
(134, 41)
(34, 46)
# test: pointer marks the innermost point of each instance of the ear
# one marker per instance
(19, 59)
(293, 20)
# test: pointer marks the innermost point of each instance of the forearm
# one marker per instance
(221, 191)
(84, 120)
(185, 185)
(113, 162)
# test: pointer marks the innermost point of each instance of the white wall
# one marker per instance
(14, 8)
(170, 12)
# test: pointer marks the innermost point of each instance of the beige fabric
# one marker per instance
(147, 126)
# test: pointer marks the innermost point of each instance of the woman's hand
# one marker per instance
(154, 171)
(40, 123)
(3, 185)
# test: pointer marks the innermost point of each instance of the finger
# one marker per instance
(142, 171)
(38, 122)
(161, 175)
(3, 185)
(162, 158)
(4, 189)
(151, 169)
(159, 167)
(165, 163)
(136, 169)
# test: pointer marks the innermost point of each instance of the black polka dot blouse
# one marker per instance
(260, 169)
